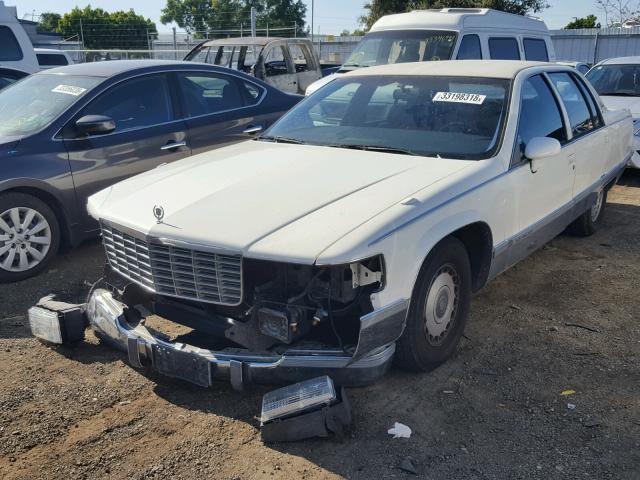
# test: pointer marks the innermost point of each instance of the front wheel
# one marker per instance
(29, 236)
(439, 308)
(588, 223)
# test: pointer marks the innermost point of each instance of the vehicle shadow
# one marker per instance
(630, 178)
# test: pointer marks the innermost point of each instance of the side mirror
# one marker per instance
(95, 125)
(540, 148)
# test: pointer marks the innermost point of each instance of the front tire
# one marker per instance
(589, 222)
(29, 236)
(439, 308)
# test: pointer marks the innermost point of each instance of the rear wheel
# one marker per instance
(439, 308)
(29, 236)
(588, 223)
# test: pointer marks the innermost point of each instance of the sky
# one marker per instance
(331, 16)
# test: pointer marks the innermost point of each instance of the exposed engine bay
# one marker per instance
(282, 305)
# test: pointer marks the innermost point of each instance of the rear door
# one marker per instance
(147, 134)
(277, 68)
(218, 109)
(305, 65)
(588, 135)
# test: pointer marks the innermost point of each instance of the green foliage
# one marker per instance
(49, 22)
(102, 30)
(221, 18)
(585, 22)
(379, 8)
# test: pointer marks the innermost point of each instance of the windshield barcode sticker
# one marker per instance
(69, 90)
(453, 97)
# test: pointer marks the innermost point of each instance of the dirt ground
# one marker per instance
(495, 411)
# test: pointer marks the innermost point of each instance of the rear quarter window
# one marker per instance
(504, 48)
(51, 59)
(535, 49)
(10, 50)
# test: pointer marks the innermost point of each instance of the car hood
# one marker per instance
(618, 103)
(268, 200)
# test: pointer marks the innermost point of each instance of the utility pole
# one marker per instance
(240, 29)
(295, 29)
(175, 44)
(312, 21)
(267, 29)
(253, 21)
(81, 34)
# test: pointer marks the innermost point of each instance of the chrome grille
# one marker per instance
(173, 271)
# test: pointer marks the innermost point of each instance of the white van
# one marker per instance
(446, 34)
(16, 50)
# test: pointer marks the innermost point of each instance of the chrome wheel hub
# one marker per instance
(597, 206)
(441, 304)
(25, 239)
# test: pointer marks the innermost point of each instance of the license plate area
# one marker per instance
(183, 365)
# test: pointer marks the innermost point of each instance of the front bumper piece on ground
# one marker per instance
(378, 333)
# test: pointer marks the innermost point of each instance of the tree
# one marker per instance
(215, 18)
(378, 8)
(616, 12)
(585, 22)
(49, 22)
(101, 30)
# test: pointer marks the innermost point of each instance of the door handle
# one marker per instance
(173, 145)
(252, 129)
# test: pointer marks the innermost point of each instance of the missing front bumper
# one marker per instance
(201, 366)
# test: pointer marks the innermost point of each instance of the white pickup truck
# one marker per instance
(356, 228)
(16, 50)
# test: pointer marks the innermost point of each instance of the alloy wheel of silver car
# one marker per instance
(441, 304)
(25, 239)
(597, 206)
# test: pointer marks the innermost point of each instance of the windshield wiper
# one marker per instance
(280, 139)
(375, 148)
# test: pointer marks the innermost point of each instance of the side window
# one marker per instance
(577, 109)
(200, 55)
(205, 93)
(301, 58)
(140, 102)
(10, 50)
(595, 111)
(535, 49)
(504, 49)
(249, 59)
(275, 62)
(583, 69)
(51, 59)
(539, 115)
(470, 48)
(223, 57)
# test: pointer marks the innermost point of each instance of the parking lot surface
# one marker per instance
(566, 319)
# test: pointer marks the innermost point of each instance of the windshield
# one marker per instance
(453, 117)
(401, 46)
(33, 103)
(620, 80)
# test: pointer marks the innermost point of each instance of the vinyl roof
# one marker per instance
(463, 68)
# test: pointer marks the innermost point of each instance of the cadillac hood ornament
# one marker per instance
(158, 212)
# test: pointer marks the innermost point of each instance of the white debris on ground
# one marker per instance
(399, 430)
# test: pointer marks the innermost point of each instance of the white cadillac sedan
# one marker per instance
(356, 229)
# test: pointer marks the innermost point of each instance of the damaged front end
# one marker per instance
(252, 321)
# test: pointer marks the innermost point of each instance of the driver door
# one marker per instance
(543, 195)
